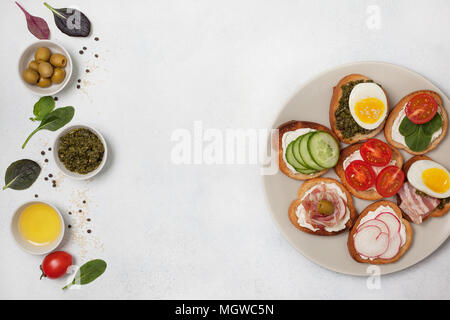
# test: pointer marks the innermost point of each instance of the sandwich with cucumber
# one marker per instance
(306, 149)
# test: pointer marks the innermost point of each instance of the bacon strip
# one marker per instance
(414, 205)
(314, 217)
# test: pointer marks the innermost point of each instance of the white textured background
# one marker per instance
(200, 231)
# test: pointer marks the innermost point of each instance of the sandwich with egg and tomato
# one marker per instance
(358, 108)
(371, 170)
(426, 192)
(323, 207)
(305, 149)
(418, 123)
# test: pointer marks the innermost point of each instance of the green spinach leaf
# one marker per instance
(53, 121)
(21, 174)
(88, 272)
(44, 106)
(419, 140)
(433, 125)
(407, 127)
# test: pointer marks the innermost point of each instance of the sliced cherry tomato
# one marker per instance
(421, 108)
(376, 152)
(360, 175)
(55, 264)
(389, 181)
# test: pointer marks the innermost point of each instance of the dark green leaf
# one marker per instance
(53, 121)
(21, 174)
(71, 21)
(88, 272)
(44, 106)
(433, 125)
(407, 127)
(57, 119)
(418, 141)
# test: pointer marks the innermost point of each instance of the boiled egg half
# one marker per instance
(430, 177)
(368, 105)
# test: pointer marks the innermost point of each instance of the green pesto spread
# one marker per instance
(441, 204)
(81, 151)
(344, 120)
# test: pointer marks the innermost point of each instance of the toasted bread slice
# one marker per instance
(436, 212)
(372, 207)
(370, 194)
(334, 104)
(301, 192)
(395, 113)
(278, 145)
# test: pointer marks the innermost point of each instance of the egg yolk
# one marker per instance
(436, 179)
(369, 110)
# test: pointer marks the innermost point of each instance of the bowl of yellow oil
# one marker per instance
(37, 227)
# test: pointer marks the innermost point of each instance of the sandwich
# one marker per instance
(426, 192)
(371, 170)
(323, 207)
(358, 108)
(305, 149)
(418, 123)
(380, 235)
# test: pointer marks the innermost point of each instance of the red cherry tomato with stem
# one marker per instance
(55, 264)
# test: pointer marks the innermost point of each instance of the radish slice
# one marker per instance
(370, 242)
(374, 222)
(394, 246)
(391, 220)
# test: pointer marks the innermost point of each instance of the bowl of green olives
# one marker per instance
(45, 67)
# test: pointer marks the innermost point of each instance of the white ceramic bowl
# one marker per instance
(61, 166)
(28, 247)
(28, 56)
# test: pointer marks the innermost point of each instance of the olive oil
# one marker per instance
(40, 224)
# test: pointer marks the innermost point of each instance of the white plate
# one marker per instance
(311, 103)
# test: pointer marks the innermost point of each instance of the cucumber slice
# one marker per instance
(324, 149)
(307, 171)
(306, 156)
(291, 159)
(296, 152)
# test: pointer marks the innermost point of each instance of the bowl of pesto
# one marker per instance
(80, 152)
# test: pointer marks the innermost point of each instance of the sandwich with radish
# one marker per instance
(380, 235)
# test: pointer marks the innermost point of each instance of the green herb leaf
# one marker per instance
(433, 125)
(21, 174)
(407, 127)
(419, 140)
(53, 121)
(44, 106)
(88, 272)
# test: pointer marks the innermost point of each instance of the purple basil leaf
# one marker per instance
(37, 26)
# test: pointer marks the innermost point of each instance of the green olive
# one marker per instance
(45, 69)
(34, 65)
(42, 54)
(30, 76)
(325, 207)
(58, 75)
(44, 82)
(58, 60)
